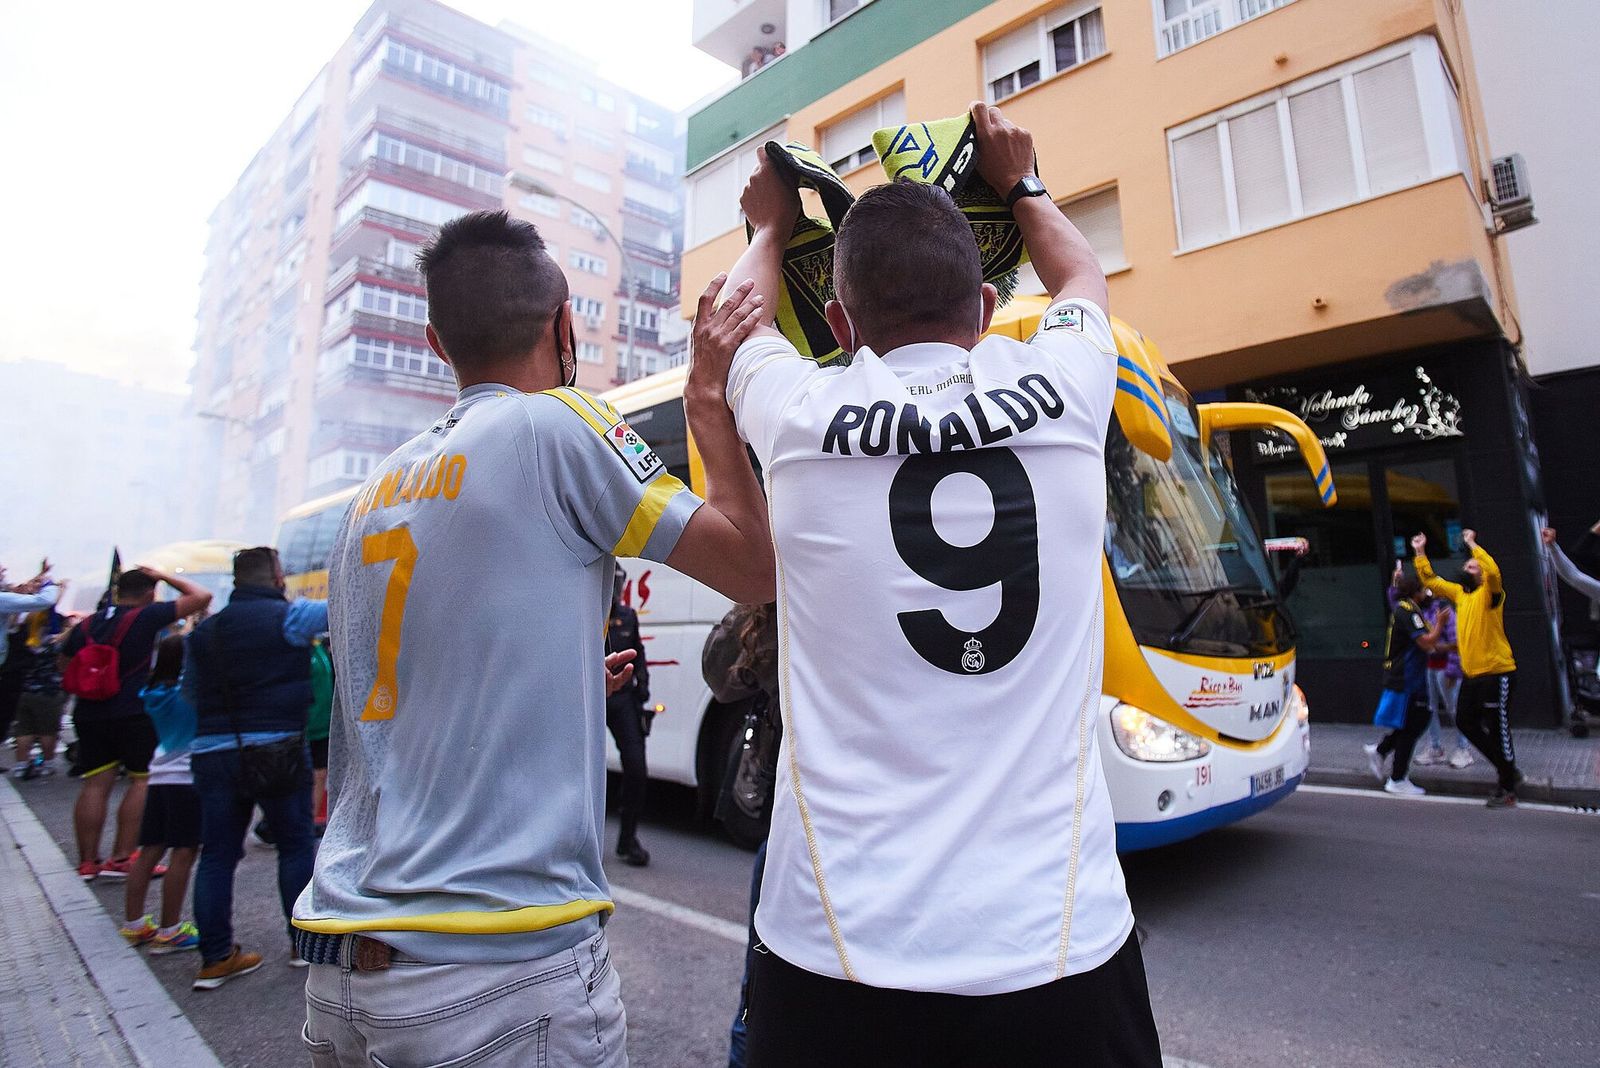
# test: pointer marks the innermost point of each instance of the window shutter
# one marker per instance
(1259, 180)
(1012, 52)
(1202, 205)
(1391, 125)
(713, 202)
(850, 134)
(1322, 148)
(1098, 217)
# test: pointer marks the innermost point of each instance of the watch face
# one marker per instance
(1033, 186)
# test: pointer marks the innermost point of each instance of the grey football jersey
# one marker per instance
(468, 589)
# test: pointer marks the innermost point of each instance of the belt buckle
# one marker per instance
(371, 955)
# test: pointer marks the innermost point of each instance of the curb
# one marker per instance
(1544, 791)
(150, 1022)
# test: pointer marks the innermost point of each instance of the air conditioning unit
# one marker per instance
(1510, 196)
(593, 322)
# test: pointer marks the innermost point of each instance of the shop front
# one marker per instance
(1432, 441)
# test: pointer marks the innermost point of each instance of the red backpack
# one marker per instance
(95, 672)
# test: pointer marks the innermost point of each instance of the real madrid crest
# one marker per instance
(972, 659)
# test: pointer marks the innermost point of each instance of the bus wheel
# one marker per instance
(745, 806)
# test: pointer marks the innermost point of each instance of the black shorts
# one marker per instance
(319, 754)
(171, 817)
(39, 713)
(105, 745)
(1099, 1018)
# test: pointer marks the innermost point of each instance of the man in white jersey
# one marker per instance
(456, 914)
(942, 885)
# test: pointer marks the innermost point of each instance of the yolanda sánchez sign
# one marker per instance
(1383, 408)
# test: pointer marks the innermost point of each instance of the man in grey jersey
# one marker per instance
(460, 900)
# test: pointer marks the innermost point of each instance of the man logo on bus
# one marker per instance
(972, 659)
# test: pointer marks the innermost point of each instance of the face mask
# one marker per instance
(1468, 581)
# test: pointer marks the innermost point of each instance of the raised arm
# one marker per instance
(1062, 257)
(1491, 570)
(192, 597)
(727, 544)
(1568, 571)
(1448, 590)
(771, 205)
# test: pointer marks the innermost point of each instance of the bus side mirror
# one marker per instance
(1241, 415)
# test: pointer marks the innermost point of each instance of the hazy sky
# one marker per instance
(125, 124)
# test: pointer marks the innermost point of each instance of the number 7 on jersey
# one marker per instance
(377, 548)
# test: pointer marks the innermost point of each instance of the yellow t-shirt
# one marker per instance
(1480, 617)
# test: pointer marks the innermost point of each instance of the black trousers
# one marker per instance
(1403, 742)
(622, 719)
(1099, 1018)
(1483, 716)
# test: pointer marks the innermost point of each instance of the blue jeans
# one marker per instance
(225, 814)
(739, 1034)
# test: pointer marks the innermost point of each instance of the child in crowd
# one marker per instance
(171, 812)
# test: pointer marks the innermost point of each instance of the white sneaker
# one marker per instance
(1428, 757)
(1376, 761)
(1403, 788)
(1461, 758)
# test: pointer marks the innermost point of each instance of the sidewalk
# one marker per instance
(1561, 769)
(75, 994)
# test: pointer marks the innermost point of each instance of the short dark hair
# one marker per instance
(492, 288)
(131, 584)
(1408, 585)
(169, 660)
(256, 567)
(905, 256)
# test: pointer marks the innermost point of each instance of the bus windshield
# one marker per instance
(1189, 565)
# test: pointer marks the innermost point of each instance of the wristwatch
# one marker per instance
(1028, 187)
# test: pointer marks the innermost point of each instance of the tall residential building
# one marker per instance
(310, 355)
(1289, 196)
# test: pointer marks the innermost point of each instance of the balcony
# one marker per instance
(330, 384)
(642, 337)
(1207, 18)
(372, 436)
(369, 267)
(491, 156)
(729, 35)
(636, 168)
(419, 181)
(364, 322)
(651, 253)
(645, 211)
(401, 226)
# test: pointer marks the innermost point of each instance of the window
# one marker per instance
(1383, 122)
(838, 9)
(1057, 41)
(847, 144)
(543, 116)
(713, 190)
(381, 300)
(398, 201)
(644, 317)
(592, 178)
(589, 221)
(1098, 216)
(428, 161)
(596, 139)
(586, 261)
(597, 97)
(1181, 23)
(589, 309)
(539, 159)
(383, 354)
(440, 73)
(663, 200)
(591, 352)
(542, 204)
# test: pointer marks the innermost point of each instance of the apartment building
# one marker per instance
(1287, 195)
(310, 355)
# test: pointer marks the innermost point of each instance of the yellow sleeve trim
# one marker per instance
(584, 406)
(511, 921)
(645, 517)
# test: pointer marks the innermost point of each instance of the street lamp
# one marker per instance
(529, 184)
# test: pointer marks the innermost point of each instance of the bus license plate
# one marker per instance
(1266, 781)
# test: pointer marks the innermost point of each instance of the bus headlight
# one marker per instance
(1297, 705)
(1144, 737)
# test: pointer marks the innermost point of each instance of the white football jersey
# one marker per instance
(941, 822)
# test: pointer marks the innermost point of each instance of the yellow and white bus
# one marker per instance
(1200, 724)
(208, 562)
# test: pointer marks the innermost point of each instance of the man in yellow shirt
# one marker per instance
(1482, 710)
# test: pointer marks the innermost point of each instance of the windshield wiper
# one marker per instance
(1209, 598)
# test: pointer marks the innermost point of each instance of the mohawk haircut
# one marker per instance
(492, 288)
(905, 257)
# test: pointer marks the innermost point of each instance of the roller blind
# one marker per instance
(1013, 51)
(1202, 204)
(1322, 148)
(1259, 180)
(1098, 217)
(854, 132)
(1391, 125)
(713, 202)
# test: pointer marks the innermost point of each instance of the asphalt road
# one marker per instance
(1330, 931)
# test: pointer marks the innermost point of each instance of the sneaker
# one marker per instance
(1429, 757)
(295, 959)
(262, 835)
(119, 869)
(1377, 761)
(232, 966)
(89, 870)
(139, 932)
(632, 853)
(1502, 799)
(1403, 788)
(184, 936)
(22, 770)
(1461, 758)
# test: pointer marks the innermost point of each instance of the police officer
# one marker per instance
(628, 718)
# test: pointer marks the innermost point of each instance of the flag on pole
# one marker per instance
(111, 582)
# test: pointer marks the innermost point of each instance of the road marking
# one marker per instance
(1439, 799)
(700, 921)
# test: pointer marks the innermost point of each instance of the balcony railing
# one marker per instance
(335, 435)
(373, 268)
(470, 198)
(366, 322)
(331, 383)
(644, 251)
(642, 336)
(634, 168)
(665, 218)
(395, 122)
(408, 227)
(1211, 18)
